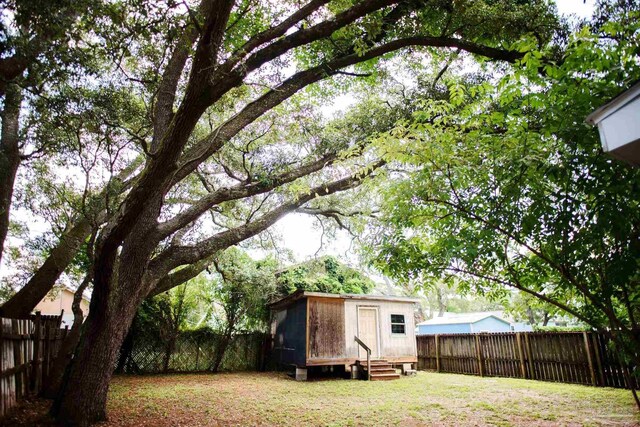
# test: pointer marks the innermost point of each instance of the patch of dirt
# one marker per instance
(30, 412)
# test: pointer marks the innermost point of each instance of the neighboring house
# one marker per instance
(319, 329)
(59, 300)
(521, 327)
(464, 323)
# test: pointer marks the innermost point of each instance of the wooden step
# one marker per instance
(379, 366)
(382, 371)
(384, 377)
(375, 364)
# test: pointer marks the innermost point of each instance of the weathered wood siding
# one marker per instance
(28, 348)
(326, 328)
(289, 346)
(391, 345)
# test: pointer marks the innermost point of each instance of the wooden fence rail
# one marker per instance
(27, 350)
(568, 357)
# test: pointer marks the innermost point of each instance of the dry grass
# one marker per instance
(427, 399)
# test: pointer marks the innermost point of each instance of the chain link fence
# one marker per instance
(191, 351)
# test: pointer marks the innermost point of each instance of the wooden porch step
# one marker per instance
(375, 366)
(381, 371)
(384, 377)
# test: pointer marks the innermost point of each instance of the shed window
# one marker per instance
(397, 324)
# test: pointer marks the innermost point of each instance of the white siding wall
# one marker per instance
(391, 345)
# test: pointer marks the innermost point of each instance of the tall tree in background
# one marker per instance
(59, 114)
(40, 49)
(243, 292)
(525, 307)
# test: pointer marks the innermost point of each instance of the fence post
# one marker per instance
(197, 354)
(479, 356)
(437, 353)
(17, 356)
(596, 350)
(523, 369)
(587, 348)
(532, 372)
(46, 355)
(35, 377)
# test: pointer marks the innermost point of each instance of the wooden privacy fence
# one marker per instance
(27, 350)
(568, 357)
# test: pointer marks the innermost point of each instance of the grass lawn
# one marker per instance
(427, 399)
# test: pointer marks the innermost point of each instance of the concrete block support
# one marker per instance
(301, 374)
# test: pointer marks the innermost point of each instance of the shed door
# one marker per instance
(368, 330)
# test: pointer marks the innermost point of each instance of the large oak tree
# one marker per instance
(201, 163)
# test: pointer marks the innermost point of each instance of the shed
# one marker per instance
(320, 329)
(464, 323)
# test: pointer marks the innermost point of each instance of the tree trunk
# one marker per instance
(9, 156)
(441, 304)
(168, 351)
(530, 315)
(65, 353)
(545, 318)
(222, 349)
(125, 362)
(117, 294)
(83, 397)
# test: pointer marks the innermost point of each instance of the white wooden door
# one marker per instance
(368, 330)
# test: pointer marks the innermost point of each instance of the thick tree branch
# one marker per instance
(176, 256)
(308, 35)
(206, 147)
(180, 276)
(166, 96)
(9, 155)
(240, 191)
(273, 32)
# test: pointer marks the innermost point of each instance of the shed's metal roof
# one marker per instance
(305, 294)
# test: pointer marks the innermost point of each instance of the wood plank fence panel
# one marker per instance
(27, 348)
(569, 357)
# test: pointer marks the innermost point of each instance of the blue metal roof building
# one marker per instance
(464, 323)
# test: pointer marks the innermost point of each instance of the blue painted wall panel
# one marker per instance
(456, 328)
(488, 324)
(491, 324)
(291, 335)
